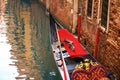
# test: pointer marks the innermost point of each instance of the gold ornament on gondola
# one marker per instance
(93, 63)
(80, 66)
(87, 64)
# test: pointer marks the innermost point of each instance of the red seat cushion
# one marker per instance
(96, 73)
(78, 49)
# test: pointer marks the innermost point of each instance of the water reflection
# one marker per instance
(7, 72)
(41, 42)
(19, 37)
(24, 42)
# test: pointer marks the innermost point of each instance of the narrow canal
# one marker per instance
(25, 42)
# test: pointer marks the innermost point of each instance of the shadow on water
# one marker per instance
(41, 42)
(28, 35)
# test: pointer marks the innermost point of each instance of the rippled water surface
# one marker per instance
(25, 42)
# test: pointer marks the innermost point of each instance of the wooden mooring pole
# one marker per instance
(96, 43)
(79, 26)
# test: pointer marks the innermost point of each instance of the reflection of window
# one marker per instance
(104, 14)
(89, 8)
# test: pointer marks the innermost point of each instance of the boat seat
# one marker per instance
(70, 44)
(95, 73)
(73, 47)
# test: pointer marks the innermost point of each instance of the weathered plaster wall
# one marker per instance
(63, 10)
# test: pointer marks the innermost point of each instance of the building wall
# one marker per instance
(109, 53)
(109, 42)
(89, 26)
(63, 10)
(44, 1)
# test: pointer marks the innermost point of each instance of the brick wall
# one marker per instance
(109, 45)
(109, 48)
(89, 27)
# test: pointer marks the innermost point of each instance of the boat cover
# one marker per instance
(64, 34)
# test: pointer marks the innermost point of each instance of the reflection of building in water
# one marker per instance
(19, 37)
(7, 72)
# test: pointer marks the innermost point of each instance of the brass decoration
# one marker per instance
(87, 64)
(80, 66)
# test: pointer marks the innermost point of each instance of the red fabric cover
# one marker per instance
(79, 50)
(96, 73)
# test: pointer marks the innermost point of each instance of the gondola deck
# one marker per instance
(72, 59)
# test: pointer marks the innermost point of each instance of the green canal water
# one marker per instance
(26, 39)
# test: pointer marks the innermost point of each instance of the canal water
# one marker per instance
(25, 42)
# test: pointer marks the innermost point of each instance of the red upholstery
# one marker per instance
(79, 50)
(96, 73)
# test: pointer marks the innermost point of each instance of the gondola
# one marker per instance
(74, 62)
